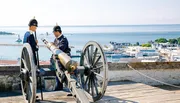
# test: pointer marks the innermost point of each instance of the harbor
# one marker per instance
(124, 52)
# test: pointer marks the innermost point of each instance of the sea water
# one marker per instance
(78, 36)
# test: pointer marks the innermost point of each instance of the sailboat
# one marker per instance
(19, 39)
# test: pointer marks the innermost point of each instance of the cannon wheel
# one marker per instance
(95, 79)
(28, 74)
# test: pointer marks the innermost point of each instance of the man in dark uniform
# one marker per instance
(62, 43)
(29, 37)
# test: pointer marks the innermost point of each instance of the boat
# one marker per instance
(75, 56)
(78, 51)
(149, 60)
(113, 56)
(109, 47)
(108, 52)
(19, 39)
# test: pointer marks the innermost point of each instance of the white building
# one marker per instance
(160, 46)
(145, 54)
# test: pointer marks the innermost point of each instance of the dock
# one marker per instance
(117, 92)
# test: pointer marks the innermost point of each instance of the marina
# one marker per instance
(130, 53)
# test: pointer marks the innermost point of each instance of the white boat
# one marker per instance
(78, 51)
(109, 47)
(149, 60)
(19, 39)
(119, 56)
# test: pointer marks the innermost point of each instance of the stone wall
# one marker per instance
(9, 77)
(168, 72)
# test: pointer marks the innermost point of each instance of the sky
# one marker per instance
(89, 12)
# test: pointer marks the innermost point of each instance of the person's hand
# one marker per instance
(55, 57)
(37, 47)
(36, 41)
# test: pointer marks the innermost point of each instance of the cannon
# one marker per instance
(88, 85)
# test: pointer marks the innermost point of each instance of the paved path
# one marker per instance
(117, 92)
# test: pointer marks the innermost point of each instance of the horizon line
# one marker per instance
(94, 25)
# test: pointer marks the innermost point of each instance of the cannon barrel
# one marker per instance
(65, 60)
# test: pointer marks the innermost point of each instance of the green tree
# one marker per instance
(178, 39)
(146, 45)
(161, 40)
(173, 41)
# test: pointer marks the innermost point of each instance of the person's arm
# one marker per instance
(63, 44)
(26, 35)
(32, 42)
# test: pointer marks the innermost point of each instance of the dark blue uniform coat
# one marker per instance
(63, 44)
(29, 38)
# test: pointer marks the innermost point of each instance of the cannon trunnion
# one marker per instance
(87, 84)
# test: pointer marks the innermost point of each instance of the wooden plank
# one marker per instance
(132, 93)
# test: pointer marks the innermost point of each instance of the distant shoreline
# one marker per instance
(40, 45)
(106, 25)
(6, 33)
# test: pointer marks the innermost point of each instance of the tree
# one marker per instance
(146, 45)
(173, 41)
(137, 43)
(161, 40)
(178, 39)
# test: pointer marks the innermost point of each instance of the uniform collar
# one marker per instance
(60, 36)
(31, 32)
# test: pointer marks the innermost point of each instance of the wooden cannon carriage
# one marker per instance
(89, 85)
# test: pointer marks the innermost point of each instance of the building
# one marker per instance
(120, 45)
(145, 54)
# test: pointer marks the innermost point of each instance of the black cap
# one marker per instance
(33, 22)
(57, 28)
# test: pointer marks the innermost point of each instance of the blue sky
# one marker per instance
(89, 12)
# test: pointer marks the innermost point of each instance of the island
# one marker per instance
(6, 33)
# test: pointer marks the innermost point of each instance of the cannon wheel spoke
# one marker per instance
(88, 55)
(92, 87)
(97, 61)
(87, 79)
(97, 69)
(95, 54)
(96, 86)
(87, 61)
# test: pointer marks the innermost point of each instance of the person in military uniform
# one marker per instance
(29, 37)
(62, 43)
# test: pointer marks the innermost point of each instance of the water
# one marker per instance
(78, 36)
